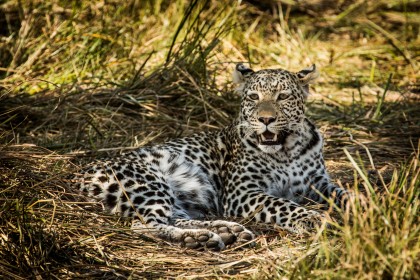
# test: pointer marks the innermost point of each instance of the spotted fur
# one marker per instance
(267, 165)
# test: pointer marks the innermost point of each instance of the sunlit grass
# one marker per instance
(81, 80)
(378, 240)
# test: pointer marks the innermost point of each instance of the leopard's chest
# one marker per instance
(288, 180)
(277, 176)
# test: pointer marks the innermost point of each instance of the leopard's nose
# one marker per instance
(266, 120)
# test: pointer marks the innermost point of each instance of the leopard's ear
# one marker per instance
(307, 76)
(241, 73)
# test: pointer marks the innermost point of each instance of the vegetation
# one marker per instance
(88, 79)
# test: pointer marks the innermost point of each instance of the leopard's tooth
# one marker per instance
(274, 138)
(263, 137)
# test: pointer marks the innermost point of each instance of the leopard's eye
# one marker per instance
(282, 96)
(253, 96)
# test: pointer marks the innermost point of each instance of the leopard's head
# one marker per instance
(272, 103)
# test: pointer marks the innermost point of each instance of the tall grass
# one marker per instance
(379, 240)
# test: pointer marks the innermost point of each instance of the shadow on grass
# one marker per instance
(117, 119)
(44, 135)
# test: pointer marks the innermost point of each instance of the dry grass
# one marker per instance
(83, 80)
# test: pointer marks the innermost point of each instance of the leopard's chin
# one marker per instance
(268, 138)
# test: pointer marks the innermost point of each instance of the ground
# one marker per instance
(83, 80)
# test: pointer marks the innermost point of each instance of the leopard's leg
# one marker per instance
(145, 197)
(155, 215)
(322, 191)
(269, 209)
(230, 232)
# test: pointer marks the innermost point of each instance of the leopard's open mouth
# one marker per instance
(270, 138)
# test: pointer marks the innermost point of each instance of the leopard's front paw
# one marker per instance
(231, 232)
(195, 239)
(308, 222)
(351, 200)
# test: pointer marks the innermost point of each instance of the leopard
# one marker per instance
(266, 166)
